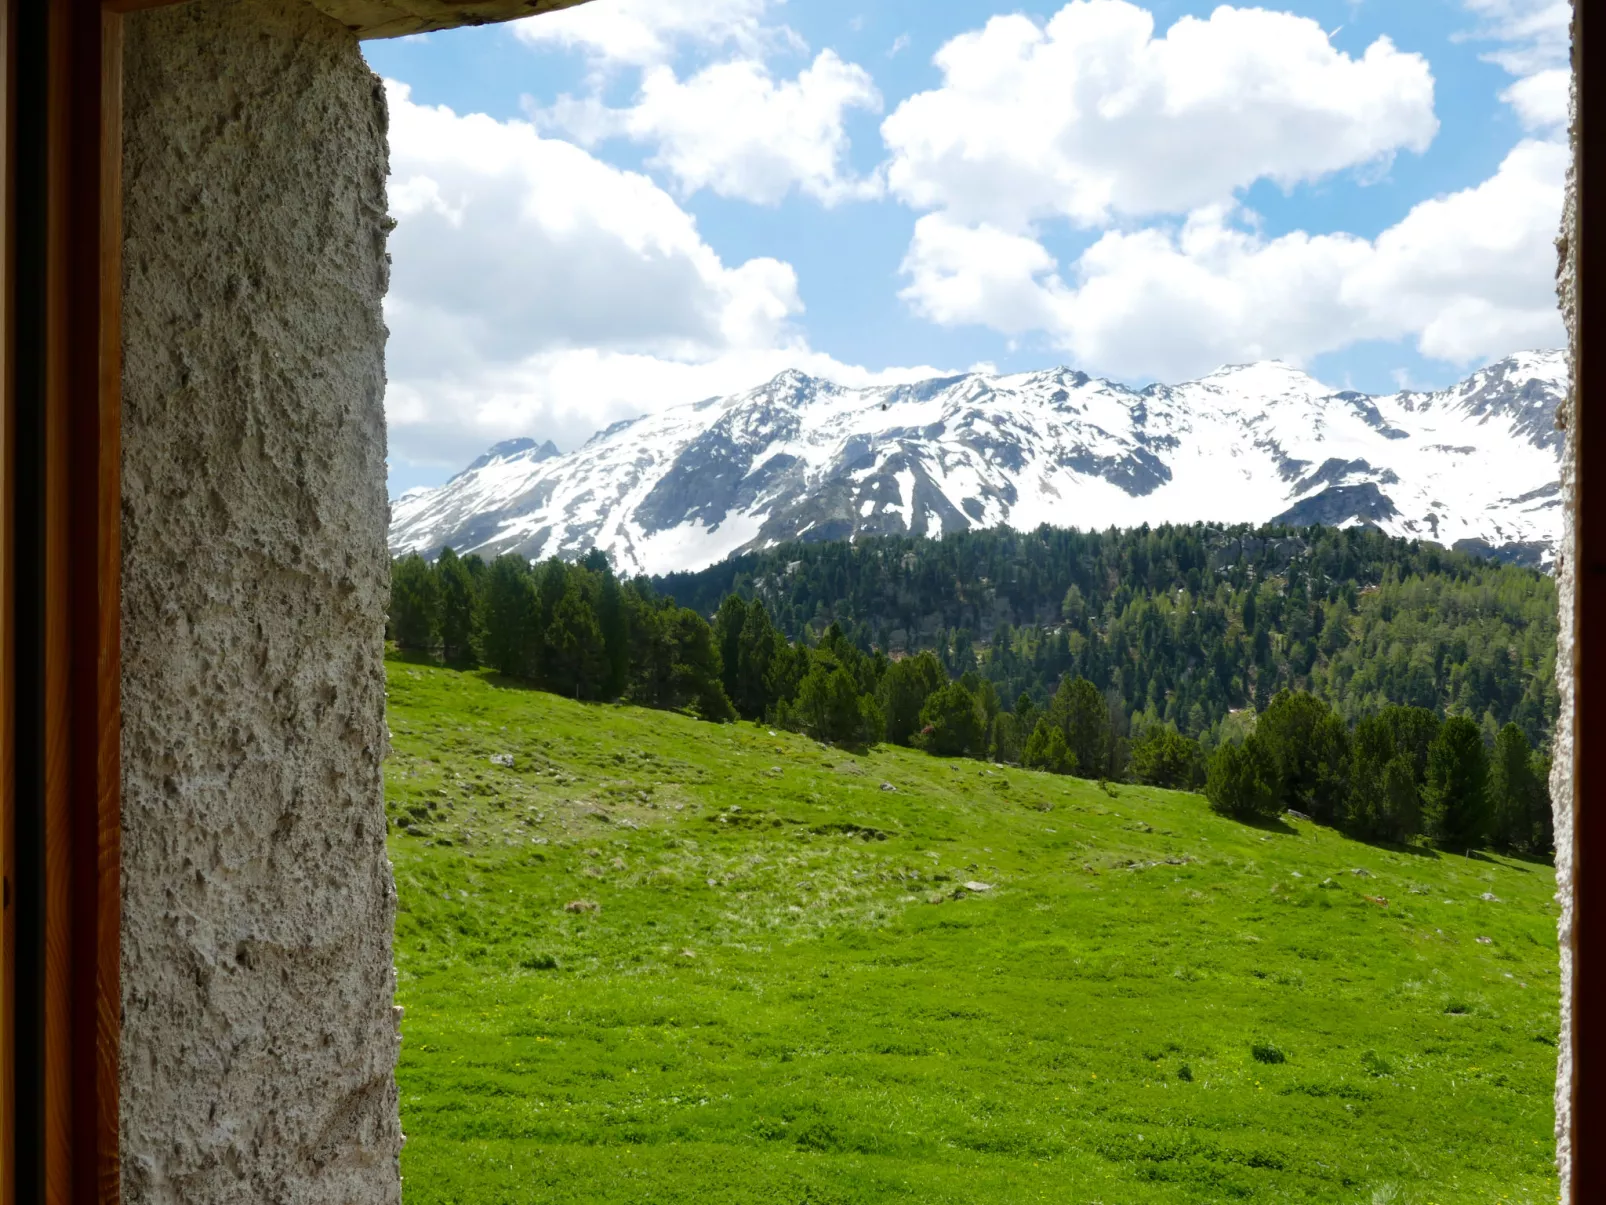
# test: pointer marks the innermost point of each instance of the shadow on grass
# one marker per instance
(412, 657)
(1277, 825)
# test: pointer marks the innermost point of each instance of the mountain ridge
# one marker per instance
(1474, 465)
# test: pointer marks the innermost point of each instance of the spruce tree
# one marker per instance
(1516, 796)
(507, 618)
(459, 611)
(952, 723)
(1046, 749)
(1457, 797)
(1309, 750)
(762, 672)
(575, 659)
(414, 607)
(1242, 782)
(904, 690)
(1083, 716)
(728, 623)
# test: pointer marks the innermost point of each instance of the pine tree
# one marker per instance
(1046, 749)
(729, 621)
(904, 690)
(575, 658)
(764, 671)
(414, 606)
(1457, 812)
(507, 618)
(1083, 716)
(952, 723)
(830, 707)
(1163, 757)
(697, 668)
(1309, 751)
(459, 611)
(613, 619)
(1518, 803)
(1242, 782)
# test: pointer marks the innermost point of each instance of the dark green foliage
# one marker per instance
(905, 688)
(1457, 795)
(1242, 782)
(1388, 771)
(574, 660)
(1183, 623)
(1178, 628)
(952, 723)
(1309, 749)
(1081, 713)
(459, 610)
(414, 613)
(1519, 796)
(1046, 749)
(729, 621)
(830, 708)
(697, 678)
(507, 618)
(575, 630)
(1007, 741)
(1163, 757)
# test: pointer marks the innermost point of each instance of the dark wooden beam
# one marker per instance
(65, 326)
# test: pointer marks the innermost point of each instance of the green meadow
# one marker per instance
(649, 959)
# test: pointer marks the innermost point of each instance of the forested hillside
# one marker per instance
(1183, 623)
(1386, 688)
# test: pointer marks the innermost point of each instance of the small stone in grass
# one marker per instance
(502, 759)
(887, 786)
(1486, 941)
(1490, 897)
(973, 885)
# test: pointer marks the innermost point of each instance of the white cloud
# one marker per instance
(1541, 100)
(1092, 120)
(1092, 116)
(538, 291)
(733, 129)
(643, 32)
(1468, 275)
(1536, 34)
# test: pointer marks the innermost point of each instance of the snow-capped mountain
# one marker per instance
(1474, 465)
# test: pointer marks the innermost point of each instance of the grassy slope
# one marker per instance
(770, 1008)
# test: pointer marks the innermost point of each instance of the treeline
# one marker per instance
(573, 629)
(1396, 772)
(1184, 624)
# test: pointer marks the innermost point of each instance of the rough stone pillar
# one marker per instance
(1565, 745)
(258, 1037)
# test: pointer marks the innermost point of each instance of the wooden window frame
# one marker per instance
(60, 416)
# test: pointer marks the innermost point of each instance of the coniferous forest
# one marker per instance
(1386, 687)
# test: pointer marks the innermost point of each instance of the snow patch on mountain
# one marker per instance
(1475, 465)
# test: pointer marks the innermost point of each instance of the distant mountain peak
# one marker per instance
(524, 448)
(801, 457)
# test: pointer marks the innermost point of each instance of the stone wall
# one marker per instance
(1566, 746)
(258, 1035)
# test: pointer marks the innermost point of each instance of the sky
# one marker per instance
(634, 204)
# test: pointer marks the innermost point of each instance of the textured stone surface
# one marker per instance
(393, 18)
(1565, 746)
(258, 1035)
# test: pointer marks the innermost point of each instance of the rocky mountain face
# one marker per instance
(1474, 466)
